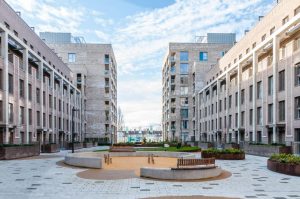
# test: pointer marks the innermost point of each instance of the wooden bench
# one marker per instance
(183, 163)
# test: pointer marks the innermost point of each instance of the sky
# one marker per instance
(140, 31)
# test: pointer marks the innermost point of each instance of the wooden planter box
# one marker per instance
(205, 145)
(77, 145)
(88, 144)
(224, 156)
(266, 150)
(50, 148)
(22, 151)
(232, 145)
(285, 168)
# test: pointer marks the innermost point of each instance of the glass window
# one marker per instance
(270, 113)
(259, 116)
(250, 93)
(184, 56)
(259, 90)
(203, 56)
(270, 85)
(184, 101)
(242, 96)
(251, 116)
(21, 87)
(184, 124)
(281, 80)
(184, 90)
(71, 57)
(10, 84)
(184, 113)
(282, 111)
(297, 107)
(173, 69)
(11, 113)
(297, 74)
(184, 68)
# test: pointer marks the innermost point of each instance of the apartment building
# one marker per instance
(183, 75)
(253, 94)
(95, 72)
(37, 93)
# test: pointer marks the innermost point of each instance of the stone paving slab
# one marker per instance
(43, 178)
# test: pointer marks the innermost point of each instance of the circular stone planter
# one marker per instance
(285, 168)
(224, 156)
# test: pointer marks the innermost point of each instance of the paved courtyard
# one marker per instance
(44, 178)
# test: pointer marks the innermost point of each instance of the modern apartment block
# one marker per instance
(37, 93)
(95, 72)
(183, 75)
(253, 94)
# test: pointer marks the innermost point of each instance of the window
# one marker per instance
(236, 99)
(236, 119)
(29, 92)
(38, 95)
(184, 79)
(1, 78)
(184, 56)
(270, 85)
(285, 20)
(251, 117)
(263, 37)
(259, 116)
(259, 90)
(220, 105)
(297, 10)
(203, 56)
(22, 115)
(184, 101)
(106, 59)
(230, 99)
(297, 107)
(11, 113)
(282, 111)
(230, 120)
(30, 116)
(250, 93)
(71, 57)
(297, 74)
(184, 90)
(44, 98)
(173, 69)
(38, 118)
(184, 113)
(184, 68)
(242, 96)
(270, 113)
(185, 124)
(1, 111)
(10, 84)
(272, 30)
(242, 118)
(281, 80)
(21, 87)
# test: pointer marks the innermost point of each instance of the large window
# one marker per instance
(22, 115)
(242, 96)
(270, 113)
(184, 79)
(242, 118)
(281, 80)
(1, 111)
(21, 87)
(184, 101)
(71, 57)
(11, 113)
(250, 93)
(282, 111)
(270, 85)
(259, 90)
(184, 56)
(184, 90)
(173, 69)
(297, 74)
(185, 124)
(203, 56)
(259, 116)
(297, 107)
(184, 113)
(184, 68)
(251, 117)
(10, 84)
(230, 99)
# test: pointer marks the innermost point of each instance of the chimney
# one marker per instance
(18, 13)
(246, 31)
(260, 18)
(33, 29)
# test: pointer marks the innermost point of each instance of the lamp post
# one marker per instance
(73, 136)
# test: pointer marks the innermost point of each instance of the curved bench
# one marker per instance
(180, 174)
(83, 161)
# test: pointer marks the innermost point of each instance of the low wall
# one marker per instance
(76, 146)
(188, 174)
(232, 146)
(87, 145)
(265, 150)
(289, 169)
(22, 151)
(224, 156)
(83, 161)
(50, 148)
(155, 153)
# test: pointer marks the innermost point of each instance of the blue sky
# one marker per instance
(140, 31)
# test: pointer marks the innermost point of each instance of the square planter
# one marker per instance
(19, 151)
(232, 145)
(88, 144)
(77, 145)
(205, 145)
(266, 150)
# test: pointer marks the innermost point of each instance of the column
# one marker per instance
(25, 65)
(227, 105)
(4, 54)
(239, 102)
(254, 66)
(52, 107)
(41, 74)
(275, 82)
(69, 110)
(62, 105)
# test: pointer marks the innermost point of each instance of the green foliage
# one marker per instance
(286, 158)
(223, 151)
(172, 149)
(273, 144)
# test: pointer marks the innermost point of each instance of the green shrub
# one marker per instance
(286, 158)
(273, 144)
(13, 145)
(223, 151)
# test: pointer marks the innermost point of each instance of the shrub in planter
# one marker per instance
(284, 163)
(15, 151)
(224, 154)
